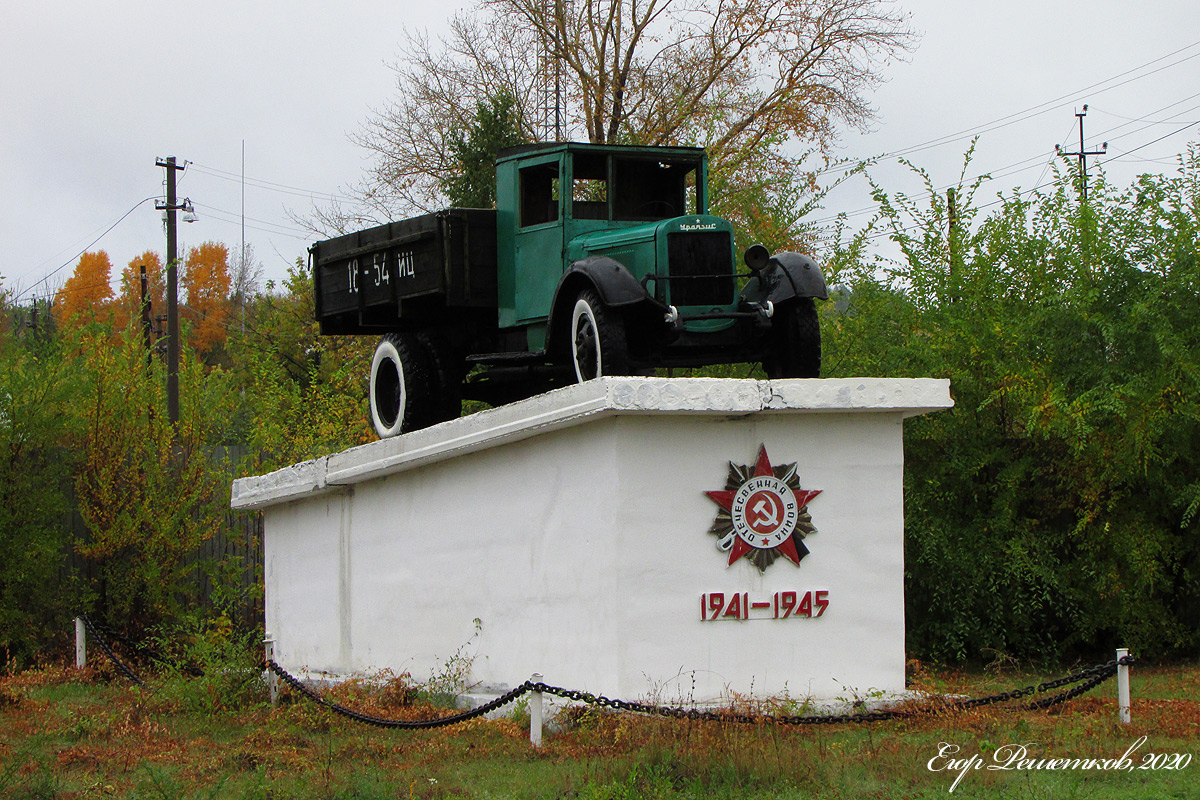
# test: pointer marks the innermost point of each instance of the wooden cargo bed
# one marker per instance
(407, 274)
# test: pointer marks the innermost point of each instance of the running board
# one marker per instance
(509, 359)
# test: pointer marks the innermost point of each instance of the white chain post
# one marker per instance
(272, 678)
(1123, 686)
(80, 644)
(535, 713)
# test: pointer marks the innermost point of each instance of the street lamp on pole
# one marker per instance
(170, 207)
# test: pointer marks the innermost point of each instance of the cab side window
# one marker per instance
(589, 190)
(539, 194)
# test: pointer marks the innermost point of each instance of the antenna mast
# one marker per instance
(549, 81)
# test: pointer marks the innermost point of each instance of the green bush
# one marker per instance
(211, 668)
(1053, 511)
(38, 426)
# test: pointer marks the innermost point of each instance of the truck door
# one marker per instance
(539, 237)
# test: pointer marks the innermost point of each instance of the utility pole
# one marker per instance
(146, 316)
(242, 256)
(1082, 154)
(171, 206)
(952, 218)
(952, 236)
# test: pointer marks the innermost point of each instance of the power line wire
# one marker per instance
(1148, 124)
(269, 185)
(1155, 141)
(275, 228)
(1049, 163)
(1020, 116)
(981, 206)
(1147, 121)
(84, 250)
(1018, 167)
(1035, 110)
(996, 124)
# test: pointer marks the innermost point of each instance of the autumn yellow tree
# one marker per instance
(86, 295)
(205, 282)
(146, 489)
(129, 305)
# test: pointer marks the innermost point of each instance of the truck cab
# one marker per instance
(598, 260)
(555, 208)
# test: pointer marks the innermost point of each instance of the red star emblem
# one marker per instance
(764, 512)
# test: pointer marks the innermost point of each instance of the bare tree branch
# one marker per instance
(734, 75)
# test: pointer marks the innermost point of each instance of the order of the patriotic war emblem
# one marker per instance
(763, 513)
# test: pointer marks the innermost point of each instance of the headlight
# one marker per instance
(756, 257)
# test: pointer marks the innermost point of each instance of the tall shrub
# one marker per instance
(1053, 510)
(145, 488)
(37, 429)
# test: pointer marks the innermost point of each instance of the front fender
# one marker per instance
(786, 276)
(612, 281)
(616, 284)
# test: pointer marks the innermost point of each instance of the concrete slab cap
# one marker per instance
(580, 403)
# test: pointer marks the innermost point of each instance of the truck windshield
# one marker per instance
(649, 189)
(643, 188)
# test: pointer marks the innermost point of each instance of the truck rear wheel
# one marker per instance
(795, 342)
(447, 369)
(400, 393)
(598, 345)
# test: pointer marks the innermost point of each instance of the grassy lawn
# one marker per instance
(69, 734)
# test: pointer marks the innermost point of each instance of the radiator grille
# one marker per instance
(701, 268)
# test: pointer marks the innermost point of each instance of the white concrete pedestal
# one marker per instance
(574, 527)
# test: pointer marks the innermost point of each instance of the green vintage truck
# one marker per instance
(598, 260)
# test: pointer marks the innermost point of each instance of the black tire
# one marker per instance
(401, 395)
(597, 339)
(448, 368)
(795, 342)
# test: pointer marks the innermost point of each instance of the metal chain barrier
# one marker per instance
(1086, 679)
(101, 631)
(122, 667)
(1091, 679)
(382, 722)
(111, 633)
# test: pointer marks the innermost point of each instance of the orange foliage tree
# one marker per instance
(205, 282)
(129, 305)
(86, 295)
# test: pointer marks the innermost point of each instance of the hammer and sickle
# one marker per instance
(767, 511)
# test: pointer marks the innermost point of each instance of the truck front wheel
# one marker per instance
(400, 394)
(597, 339)
(795, 342)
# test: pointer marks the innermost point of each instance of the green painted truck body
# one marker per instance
(597, 259)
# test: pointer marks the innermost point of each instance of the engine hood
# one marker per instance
(634, 233)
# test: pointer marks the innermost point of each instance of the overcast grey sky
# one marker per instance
(94, 92)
